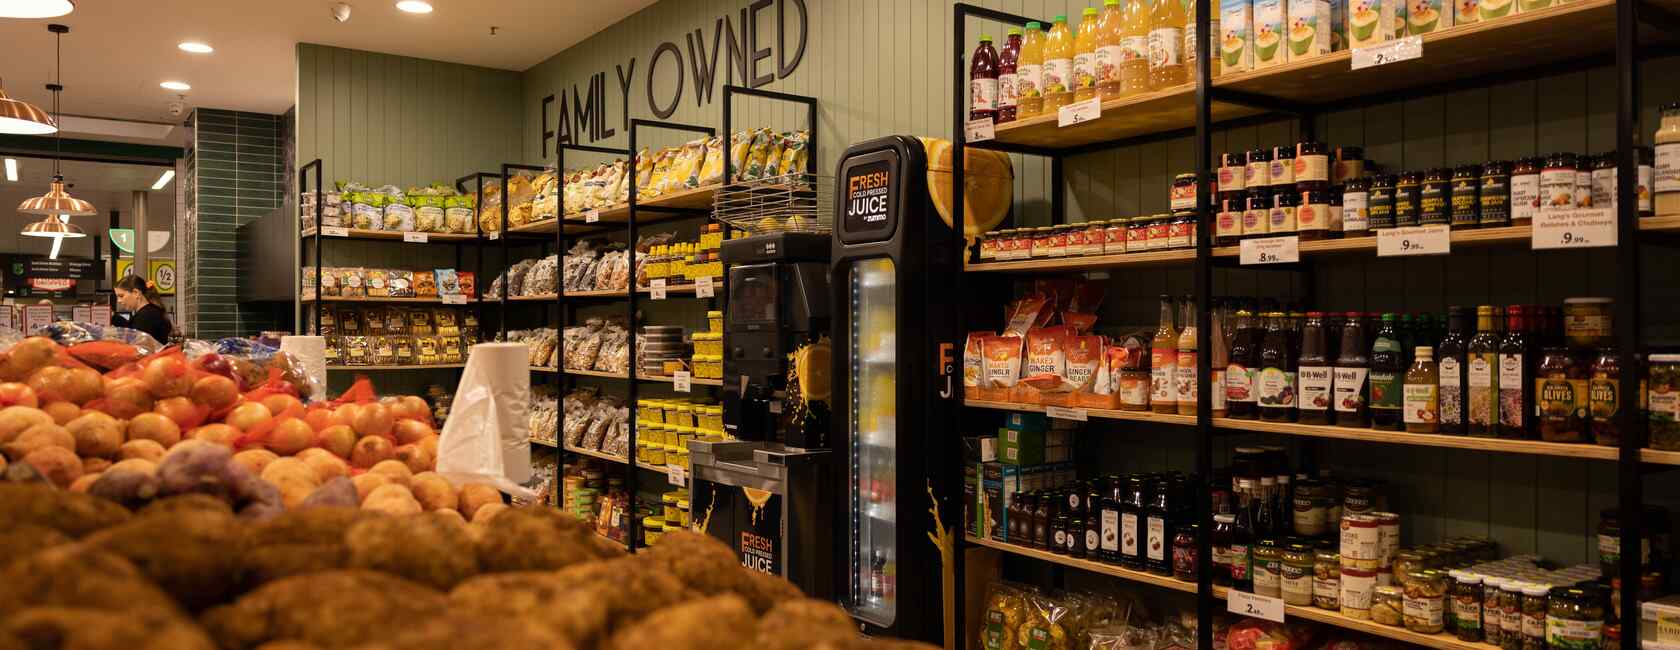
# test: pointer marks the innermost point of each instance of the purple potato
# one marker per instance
(338, 492)
(199, 468)
(260, 511)
(131, 488)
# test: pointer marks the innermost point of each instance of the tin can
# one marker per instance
(1357, 588)
(1388, 538)
(1361, 538)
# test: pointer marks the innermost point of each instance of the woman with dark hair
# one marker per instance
(140, 298)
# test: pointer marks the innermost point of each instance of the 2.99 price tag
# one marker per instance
(1582, 228)
(1247, 604)
(1414, 240)
(1397, 50)
(682, 381)
(1271, 250)
(1079, 112)
(657, 288)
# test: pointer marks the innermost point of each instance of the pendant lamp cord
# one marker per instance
(58, 86)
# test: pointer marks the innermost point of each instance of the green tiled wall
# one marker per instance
(238, 167)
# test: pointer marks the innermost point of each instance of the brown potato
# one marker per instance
(80, 575)
(95, 465)
(433, 491)
(552, 540)
(59, 465)
(426, 550)
(460, 631)
(38, 436)
(141, 449)
(475, 495)
(96, 434)
(367, 482)
(154, 426)
(62, 412)
(83, 482)
(15, 420)
(716, 623)
(70, 628)
(72, 514)
(330, 608)
(801, 623)
(186, 553)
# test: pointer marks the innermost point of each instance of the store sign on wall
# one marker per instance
(584, 117)
(162, 274)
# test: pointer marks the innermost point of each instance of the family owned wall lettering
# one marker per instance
(585, 115)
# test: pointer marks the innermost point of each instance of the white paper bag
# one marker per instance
(487, 438)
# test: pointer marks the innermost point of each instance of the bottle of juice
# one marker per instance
(1008, 68)
(1163, 361)
(1134, 43)
(1058, 66)
(1109, 52)
(983, 81)
(1029, 68)
(1166, 44)
(1085, 56)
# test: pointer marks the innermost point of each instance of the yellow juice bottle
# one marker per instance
(1134, 43)
(1109, 51)
(1058, 66)
(1166, 44)
(1085, 57)
(1029, 73)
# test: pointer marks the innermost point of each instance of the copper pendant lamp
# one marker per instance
(18, 117)
(54, 227)
(57, 201)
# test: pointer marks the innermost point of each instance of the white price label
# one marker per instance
(1583, 228)
(453, 299)
(494, 235)
(1403, 49)
(979, 130)
(682, 381)
(1065, 413)
(704, 288)
(1079, 112)
(657, 288)
(1414, 240)
(414, 237)
(1271, 250)
(676, 475)
(334, 231)
(592, 216)
(1247, 604)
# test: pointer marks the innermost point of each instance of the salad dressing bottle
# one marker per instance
(1185, 382)
(1163, 362)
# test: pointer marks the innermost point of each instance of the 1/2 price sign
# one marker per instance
(1414, 240)
(1580, 228)
(1271, 250)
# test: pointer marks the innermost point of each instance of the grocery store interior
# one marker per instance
(1255, 324)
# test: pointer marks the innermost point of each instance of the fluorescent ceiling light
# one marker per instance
(195, 47)
(168, 175)
(58, 242)
(11, 170)
(415, 6)
(35, 8)
(175, 85)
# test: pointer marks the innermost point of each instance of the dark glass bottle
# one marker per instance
(1018, 516)
(1074, 499)
(1314, 374)
(1042, 521)
(1158, 533)
(1076, 536)
(1242, 547)
(1352, 367)
(1223, 524)
(1244, 369)
(1465, 202)
(1093, 520)
(1516, 376)
(1451, 362)
(1131, 524)
(1481, 410)
(1110, 521)
(1388, 374)
(1059, 542)
(1277, 392)
(1407, 329)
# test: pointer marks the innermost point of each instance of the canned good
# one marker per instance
(1357, 590)
(1361, 539)
(1388, 537)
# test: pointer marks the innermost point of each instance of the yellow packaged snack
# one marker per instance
(760, 153)
(644, 171)
(661, 169)
(794, 154)
(696, 153)
(739, 150)
(711, 170)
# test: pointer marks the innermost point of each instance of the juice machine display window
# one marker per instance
(872, 389)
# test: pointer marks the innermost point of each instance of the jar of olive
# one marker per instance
(1426, 600)
(1603, 391)
(1327, 577)
(1407, 196)
(1466, 205)
(1433, 195)
(1406, 562)
(1467, 607)
(1297, 573)
(1574, 618)
(1535, 605)
(1494, 194)
(1388, 604)
(1511, 614)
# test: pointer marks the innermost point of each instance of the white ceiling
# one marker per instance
(118, 51)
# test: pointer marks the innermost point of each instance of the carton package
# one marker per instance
(1236, 38)
(1309, 29)
(1271, 20)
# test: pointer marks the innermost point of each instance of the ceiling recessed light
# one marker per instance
(35, 8)
(175, 85)
(415, 6)
(168, 175)
(195, 47)
(11, 170)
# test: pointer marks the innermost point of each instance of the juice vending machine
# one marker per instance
(892, 275)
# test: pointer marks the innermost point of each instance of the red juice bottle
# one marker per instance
(1008, 96)
(983, 81)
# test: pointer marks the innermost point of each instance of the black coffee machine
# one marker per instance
(778, 301)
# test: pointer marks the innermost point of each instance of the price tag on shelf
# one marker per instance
(1079, 112)
(979, 130)
(704, 288)
(1065, 413)
(1414, 240)
(676, 475)
(494, 236)
(1247, 604)
(1403, 49)
(657, 288)
(1271, 250)
(453, 299)
(1581, 228)
(334, 231)
(414, 237)
(682, 381)
(592, 216)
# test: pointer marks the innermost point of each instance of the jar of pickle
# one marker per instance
(1511, 614)
(1408, 561)
(1574, 617)
(1327, 578)
(1492, 625)
(1297, 574)
(1535, 605)
(1268, 568)
(1388, 604)
(1467, 607)
(1425, 606)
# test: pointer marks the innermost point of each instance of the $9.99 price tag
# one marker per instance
(1414, 240)
(1582, 228)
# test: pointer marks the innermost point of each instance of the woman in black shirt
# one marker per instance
(140, 298)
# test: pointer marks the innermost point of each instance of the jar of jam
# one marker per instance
(1058, 239)
(1228, 221)
(1312, 165)
(1584, 166)
(1160, 232)
(1494, 195)
(1356, 217)
(1183, 195)
(1407, 195)
(1603, 398)
(1231, 171)
(1380, 202)
(1433, 197)
(1094, 237)
(1646, 175)
(1350, 164)
(1040, 242)
(1312, 217)
(1114, 236)
(1525, 190)
(1257, 169)
(1282, 170)
(1257, 215)
(1284, 206)
(1137, 234)
(1557, 182)
(1466, 205)
(1074, 235)
(989, 246)
(1333, 226)
(1181, 229)
(1184, 553)
(1560, 396)
(1603, 183)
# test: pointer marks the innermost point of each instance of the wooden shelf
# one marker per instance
(1660, 457)
(544, 298)
(545, 369)
(597, 373)
(598, 293)
(1501, 445)
(1087, 565)
(1106, 414)
(544, 443)
(1395, 632)
(699, 198)
(653, 468)
(390, 235)
(1136, 115)
(592, 453)
(1087, 262)
(417, 301)
(696, 381)
(1659, 223)
(433, 366)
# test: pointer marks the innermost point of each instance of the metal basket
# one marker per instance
(788, 203)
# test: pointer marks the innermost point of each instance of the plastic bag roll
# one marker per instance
(487, 438)
(311, 352)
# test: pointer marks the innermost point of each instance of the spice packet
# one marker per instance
(974, 361)
(1029, 312)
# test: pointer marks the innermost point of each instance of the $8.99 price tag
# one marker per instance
(1271, 250)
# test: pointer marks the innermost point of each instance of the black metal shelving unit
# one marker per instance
(1637, 23)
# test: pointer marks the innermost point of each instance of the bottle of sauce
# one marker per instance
(1242, 538)
(1221, 543)
(1131, 524)
(1163, 362)
(1043, 518)
(1158, 528)
(1352, 364)
(1220, 349)
(983, 81)
(1494, 194)
(1111, 500)
(1093, 520)
(1407, 196)
(1277, 361)
(1356, 219)
(1422, 402)
(1110, 27)
(1481, 402)
(1166, 44)
(1315, 375)
(1008, 70)
(1184, 382)
(1388, 377)
(1667, 171)
(1240, 373)
(1085, 56)
(1029, 73)
(1516, 372)
(1134, 41)
(1057, 74)
(1525, 191)
(1452, 367)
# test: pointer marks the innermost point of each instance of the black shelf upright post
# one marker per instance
(315, 240)
(1629, 419)
(729, 93)
(1204, 328)
(504, 236)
